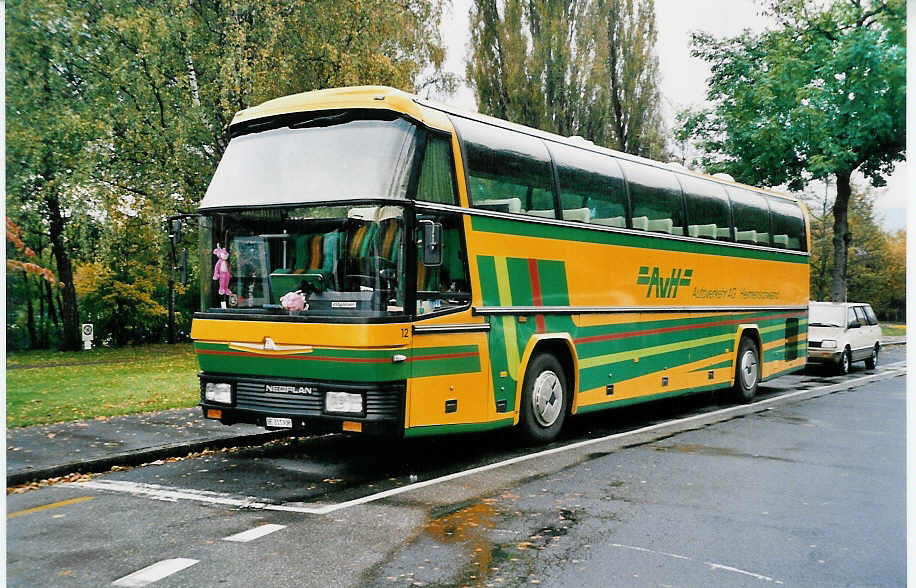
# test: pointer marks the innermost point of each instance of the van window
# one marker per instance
(851, 320)
(655, 198)
(508, 171)
(870, 314)
(591, 186)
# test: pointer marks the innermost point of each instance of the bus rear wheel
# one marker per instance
(544, 399)
(747, 371)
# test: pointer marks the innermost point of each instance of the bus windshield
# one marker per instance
(343, 261)
(330, 158)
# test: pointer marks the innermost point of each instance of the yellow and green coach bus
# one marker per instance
(457, 273)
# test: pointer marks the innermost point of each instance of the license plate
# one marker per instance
(279, 422)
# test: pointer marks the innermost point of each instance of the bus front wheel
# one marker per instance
(544, 399)
(747, 370)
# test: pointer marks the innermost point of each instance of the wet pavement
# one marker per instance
(802, 488)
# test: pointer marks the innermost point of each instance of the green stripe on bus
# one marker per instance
(457, 428)
(487, 224)
(630, 401)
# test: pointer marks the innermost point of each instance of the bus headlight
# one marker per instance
(343, 402)
(828, 344)
(218, 392)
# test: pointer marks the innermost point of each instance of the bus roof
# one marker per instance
(430, 113)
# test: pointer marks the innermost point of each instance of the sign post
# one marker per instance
(87, 335)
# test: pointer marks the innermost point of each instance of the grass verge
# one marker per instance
(48, 387)
(893, 330)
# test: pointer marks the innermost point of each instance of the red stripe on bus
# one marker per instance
(444, 356)
(298, 357)
(536, 293)
(624, 335)
(340, 359)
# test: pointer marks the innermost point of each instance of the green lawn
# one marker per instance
(893, 329)
(52, 386)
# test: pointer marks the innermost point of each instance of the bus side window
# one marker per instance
(591, 186)
(655, 198)
(508, 171)
(446, 285)
(437, 177)
(751, 215)
(708, 212)
(788, 224)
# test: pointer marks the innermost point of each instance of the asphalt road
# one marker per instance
(801, 493)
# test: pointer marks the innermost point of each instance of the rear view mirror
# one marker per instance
(432, 243)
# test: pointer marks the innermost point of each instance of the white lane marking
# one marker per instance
(252, 534)
(634, 548)
(155, 572)
(712, 565)
(716, 566)
(171, 494)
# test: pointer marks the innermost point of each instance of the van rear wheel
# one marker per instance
(872, 360)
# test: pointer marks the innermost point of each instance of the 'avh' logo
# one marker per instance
(664, 287)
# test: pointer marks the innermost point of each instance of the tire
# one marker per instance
(845, 361)
(872, 361)
(545, 399)
(747, 371)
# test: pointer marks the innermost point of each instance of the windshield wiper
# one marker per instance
(823, 325)
(325, 121)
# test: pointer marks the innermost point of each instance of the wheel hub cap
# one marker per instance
(547, 398)
(749, 369)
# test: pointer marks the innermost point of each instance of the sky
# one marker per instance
(683, 78)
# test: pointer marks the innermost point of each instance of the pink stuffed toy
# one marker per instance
(221, 269)
(293, 301)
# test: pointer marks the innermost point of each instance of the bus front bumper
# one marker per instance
(307, 406)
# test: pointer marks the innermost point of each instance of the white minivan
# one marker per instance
(840, 333)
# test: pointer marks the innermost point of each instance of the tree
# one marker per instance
(821, 96)
(877, 259)
(570, 67)
(118, 111)
(48, 137)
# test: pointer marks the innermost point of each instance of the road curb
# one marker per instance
(139, 456)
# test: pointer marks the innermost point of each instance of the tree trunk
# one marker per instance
(30, 312)
(52, 309)
(42, 318)
(841, 236)
(69, 313)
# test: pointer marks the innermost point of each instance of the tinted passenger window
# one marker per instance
(788, 225)
(860, 315)
(508, 171)
(591, 186)
(752, 217)
(708, 214)
(851, 320)
(437, 182)
(870, 314)
(655, 199)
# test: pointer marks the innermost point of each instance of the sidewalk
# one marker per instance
(37, 453)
